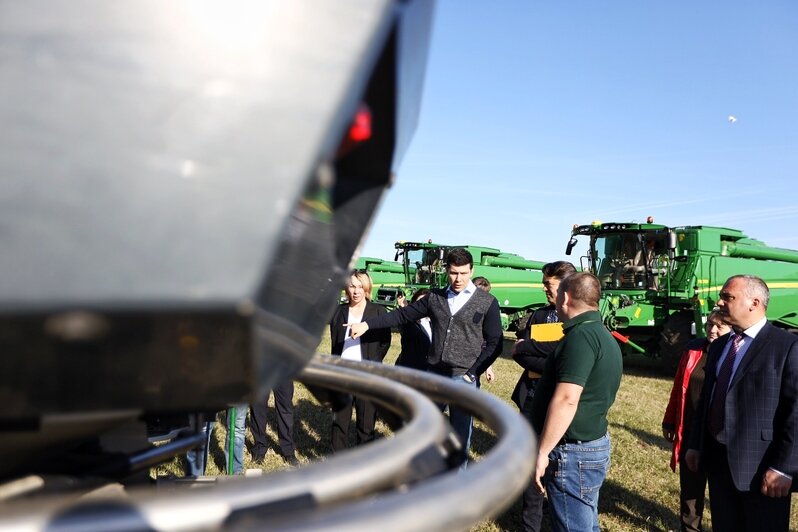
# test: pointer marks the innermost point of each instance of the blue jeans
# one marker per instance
(573, 479)
(237, 416)
(461, 423)
(197, 458)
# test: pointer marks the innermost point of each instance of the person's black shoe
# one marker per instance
(258, 458)
(291, 459)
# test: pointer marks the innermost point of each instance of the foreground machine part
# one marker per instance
(181, 195)
(401, 483)
(659, 283)
(183, 187)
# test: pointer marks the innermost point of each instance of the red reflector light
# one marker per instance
(360, 130)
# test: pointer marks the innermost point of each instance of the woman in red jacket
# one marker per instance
(679, 418)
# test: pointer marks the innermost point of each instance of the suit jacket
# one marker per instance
(761, 422)
(415, 347)
(373, 345)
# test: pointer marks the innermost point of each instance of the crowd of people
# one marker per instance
(731, 417)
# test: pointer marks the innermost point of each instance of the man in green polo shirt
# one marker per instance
(569, 411)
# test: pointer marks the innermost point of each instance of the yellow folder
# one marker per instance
(546, 332)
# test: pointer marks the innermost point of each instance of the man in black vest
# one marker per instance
(466, 331)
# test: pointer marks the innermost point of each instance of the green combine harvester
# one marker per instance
(516, 282)
(659, 283)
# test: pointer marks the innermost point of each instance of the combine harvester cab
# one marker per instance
(517, 283)
(659, 283)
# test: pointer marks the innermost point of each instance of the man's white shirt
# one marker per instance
(457, 301)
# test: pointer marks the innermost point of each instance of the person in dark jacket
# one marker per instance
(678, 420)
(745, 432)
(531, 355)
(416, 338)
(484, 284)
(372, 346)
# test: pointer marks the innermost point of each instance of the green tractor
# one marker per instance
(517, 283)
(659, 283)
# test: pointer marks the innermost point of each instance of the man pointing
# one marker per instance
(466, 331)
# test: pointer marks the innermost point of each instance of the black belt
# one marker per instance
(571, 441)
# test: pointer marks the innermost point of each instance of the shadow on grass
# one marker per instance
(639, 365)
(216, 451)
(481, 440)
(312, 429)
(644, 437)
(312, 433)
(635, 509)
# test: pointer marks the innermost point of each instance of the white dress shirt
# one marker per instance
(457, 301)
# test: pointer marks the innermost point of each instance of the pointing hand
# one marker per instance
(356, 330)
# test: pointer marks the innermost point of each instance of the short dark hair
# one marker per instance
(481, 282)
(459, 257)
(583, 287)
(558, 269)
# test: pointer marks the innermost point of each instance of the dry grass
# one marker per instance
(640, 493)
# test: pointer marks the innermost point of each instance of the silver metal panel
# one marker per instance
(151, 151)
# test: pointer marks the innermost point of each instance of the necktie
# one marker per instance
(717, 409)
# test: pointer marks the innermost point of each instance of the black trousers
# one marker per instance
(366, 414)
(692, 487)
(284, 405)
(532, 500)
(740, 511)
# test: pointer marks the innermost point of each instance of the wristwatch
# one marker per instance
(470, 377)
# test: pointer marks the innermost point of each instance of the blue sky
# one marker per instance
(540, 115)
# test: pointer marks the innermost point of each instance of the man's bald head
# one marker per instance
(578, 293)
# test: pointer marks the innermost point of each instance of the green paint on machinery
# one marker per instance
(517, 283)
(659, 283)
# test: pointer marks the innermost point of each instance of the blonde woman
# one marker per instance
(371, 346)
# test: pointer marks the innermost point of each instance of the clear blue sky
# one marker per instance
(540, 115)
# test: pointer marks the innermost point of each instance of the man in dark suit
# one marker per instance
(746, 429)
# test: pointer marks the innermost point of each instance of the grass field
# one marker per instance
(640, 493)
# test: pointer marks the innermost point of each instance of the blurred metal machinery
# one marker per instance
(181, 198)
(405, 482)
